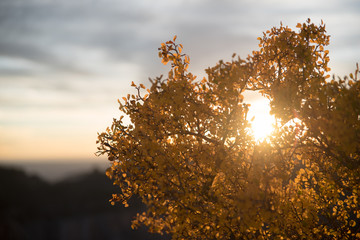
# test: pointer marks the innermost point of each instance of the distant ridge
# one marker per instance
(57, 170)
(74, 208)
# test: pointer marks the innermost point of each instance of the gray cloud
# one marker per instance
(36, 31)
(63, 36)
(47, 32)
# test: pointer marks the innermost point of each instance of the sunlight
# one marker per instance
(260, 119)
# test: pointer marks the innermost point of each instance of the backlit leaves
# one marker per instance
(187, 153)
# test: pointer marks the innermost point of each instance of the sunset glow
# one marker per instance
(260, 119)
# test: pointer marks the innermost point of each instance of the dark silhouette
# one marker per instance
(76, 208)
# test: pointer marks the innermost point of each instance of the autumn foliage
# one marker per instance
(187, 151)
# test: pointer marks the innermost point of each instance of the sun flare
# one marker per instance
(260, 119)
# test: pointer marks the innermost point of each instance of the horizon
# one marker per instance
(56, 171)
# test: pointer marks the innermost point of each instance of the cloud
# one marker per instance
(44, 32)
(65, 61)
(50, 32)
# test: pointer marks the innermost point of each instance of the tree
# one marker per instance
(189, 155)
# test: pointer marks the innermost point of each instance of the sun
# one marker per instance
(261, 120)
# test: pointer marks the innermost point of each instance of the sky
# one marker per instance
(64, 64)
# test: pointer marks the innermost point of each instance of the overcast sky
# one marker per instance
(64, 64)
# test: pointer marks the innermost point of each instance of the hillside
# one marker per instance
(76, 208)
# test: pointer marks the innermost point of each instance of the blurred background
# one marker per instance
(64, 64)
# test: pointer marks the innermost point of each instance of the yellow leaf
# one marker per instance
(187, 59)
(164, 61)
(174, 38)
(142, 86)
(352, 223)
(298, 25)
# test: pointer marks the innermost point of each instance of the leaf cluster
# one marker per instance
(187, 151)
